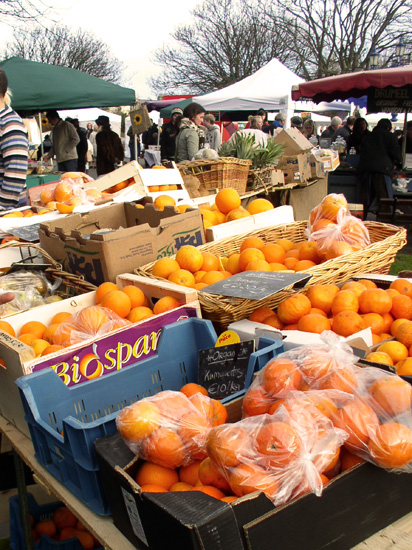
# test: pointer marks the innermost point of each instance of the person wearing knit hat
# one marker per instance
(335, 123)
(168, 135)
(213, 137)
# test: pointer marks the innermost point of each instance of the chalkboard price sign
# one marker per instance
(256, 285)
(223, 370)
(28, 233)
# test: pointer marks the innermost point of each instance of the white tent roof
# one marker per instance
(88, 115)
(268, 88)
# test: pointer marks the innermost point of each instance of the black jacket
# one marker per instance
(380, 152)
(168, 141)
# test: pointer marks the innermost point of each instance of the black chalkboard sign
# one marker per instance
(28, 233)
(256, 285)
(223, 370)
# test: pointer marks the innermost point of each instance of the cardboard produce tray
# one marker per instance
(386, 241)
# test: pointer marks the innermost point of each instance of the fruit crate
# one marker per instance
(386, 241)
(39, 512)
(65, 421)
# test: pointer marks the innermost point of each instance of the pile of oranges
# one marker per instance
(69, 193)
(353, 307)
(114, 308)
(63, 525)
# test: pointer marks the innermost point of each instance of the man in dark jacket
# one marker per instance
(330, 131)
(81, 146)
(346, 130)
(380, 153)
(168, 135)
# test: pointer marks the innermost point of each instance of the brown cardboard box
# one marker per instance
(317, 168)
(118, 238)
(293, 141)
(296, 168)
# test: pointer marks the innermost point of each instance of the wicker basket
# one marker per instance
(219, 173)
(386, 240)
(71, 285)
(260, 178)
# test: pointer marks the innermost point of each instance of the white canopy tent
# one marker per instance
(90, 115)
(268, 88)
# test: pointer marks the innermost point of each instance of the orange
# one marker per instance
(249, 254)
(304, 265)
(46, 527)
(395, 325)
(401, 307)
(368, 283)
(404, 367)
(33, 327)
(219, 217)
(259, 205)
(331, 205)
(273, 253)
(6, 327)
(227, 444)
(293, 308)
(290, 263)
(274, 266)
(63, 517)
(229, 499)
(199, 276)
(164, 200)
(252, 242)
(338, 248)
(321, 296)
(279, 444)
(286, 244)
(375, 300)
(237, 214)
(63, 192)
(346, 323)
(135, 294)
(348, 460)
(309, 251)
(103, 289)
(164, 267)
(280, 377)
(387, 322)
(233, 263)
(345, 300)
(247, 478)
(47, 196)
(150, 473)
(392, 292)
(39, 345)
(293, 253)
(167, 303)
(117, 301)
(190, 258)
(165, 447)
(182, 277)
(260, 314)
(391, 446)
(199, 286)
(256, 401)
(321, 223)
(210, 490)
(403, 286)
(404, 333)
(52, 349)
(139, 313)
(138, 421)
(374, 321)
(210, 262)
(376, 339)
(190, 474)
(208, 215)
(258, 265)
(392, 394)
(359, 421)
(313, 322)
(385, 336)
(213, 277)
(180, 486)
(49, 332)
(60, 317)
(317, 311)
(192, 388)
(379, 357)
(355, 287)
(227, 199)
(396, 350)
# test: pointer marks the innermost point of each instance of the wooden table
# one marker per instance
(398, 535)
(102, 527)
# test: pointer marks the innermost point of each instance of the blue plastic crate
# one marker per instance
(39, 512)
(87, 412)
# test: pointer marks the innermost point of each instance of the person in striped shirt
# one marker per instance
(14, 148)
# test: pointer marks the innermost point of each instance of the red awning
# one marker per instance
(348, 85)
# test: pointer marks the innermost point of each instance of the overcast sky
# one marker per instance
(132, 29)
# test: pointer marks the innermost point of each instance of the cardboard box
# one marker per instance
(191, 521)
(282, 214)
(278, 177)
(293, 141)
(118, 238)
(296, 168)
(115, 347)
(328, 158)
(317, 168)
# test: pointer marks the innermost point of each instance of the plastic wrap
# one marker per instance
(169, 428)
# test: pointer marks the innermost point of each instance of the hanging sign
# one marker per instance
(390, 100)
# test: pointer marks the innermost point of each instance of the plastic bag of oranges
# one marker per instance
(334, 229)
(326, 366)
(282, 455)
(169, 428)
(90, 322)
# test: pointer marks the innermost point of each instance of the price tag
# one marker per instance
(28, 233)
(223, 370)
(227, 337)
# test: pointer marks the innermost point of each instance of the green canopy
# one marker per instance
(166, 112)
(39, 86)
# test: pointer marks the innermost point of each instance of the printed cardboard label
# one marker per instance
(133, 514)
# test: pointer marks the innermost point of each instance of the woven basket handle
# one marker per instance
(45, 254)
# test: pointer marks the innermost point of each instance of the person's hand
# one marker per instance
(46, 158)
(6, 297)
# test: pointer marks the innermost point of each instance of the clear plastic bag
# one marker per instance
(168, 428)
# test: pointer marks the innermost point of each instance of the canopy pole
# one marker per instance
(41, 136)
(404, 141)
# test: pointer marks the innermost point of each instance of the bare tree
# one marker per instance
(338, 36)
(21, 10)
(59, 45)
(225, 43)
